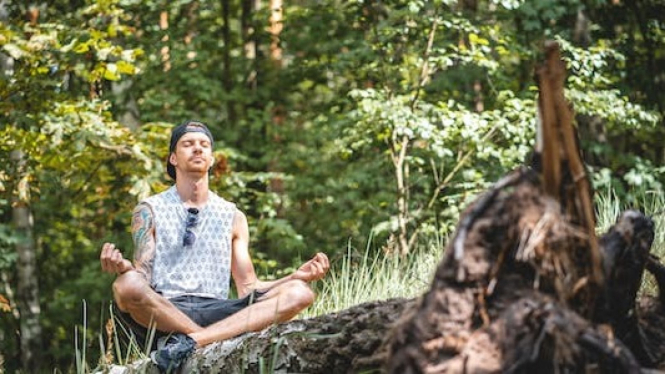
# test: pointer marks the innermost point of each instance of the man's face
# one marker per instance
(193, 154)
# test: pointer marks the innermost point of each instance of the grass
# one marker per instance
(370, 276)
(651, 203)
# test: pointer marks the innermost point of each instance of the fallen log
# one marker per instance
(337, 343)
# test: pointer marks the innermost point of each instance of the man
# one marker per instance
(188, 243)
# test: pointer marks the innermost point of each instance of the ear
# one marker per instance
(172, 159)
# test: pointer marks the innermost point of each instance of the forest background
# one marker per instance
(341, 126)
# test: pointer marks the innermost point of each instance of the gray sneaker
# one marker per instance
(172, 351)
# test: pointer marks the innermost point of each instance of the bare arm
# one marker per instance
(143, 234)
(242, 268)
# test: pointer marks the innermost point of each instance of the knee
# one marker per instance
(129, 289)
(299, 295)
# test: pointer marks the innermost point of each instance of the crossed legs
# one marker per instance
(283, 302)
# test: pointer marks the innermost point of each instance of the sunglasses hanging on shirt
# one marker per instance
(190, 223)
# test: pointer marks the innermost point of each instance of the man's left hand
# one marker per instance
(314, 269)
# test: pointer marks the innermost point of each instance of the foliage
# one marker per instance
(71, 151)
(448, 86)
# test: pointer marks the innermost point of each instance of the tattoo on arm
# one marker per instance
(143, 234)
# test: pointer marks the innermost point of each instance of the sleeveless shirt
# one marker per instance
(203, 268)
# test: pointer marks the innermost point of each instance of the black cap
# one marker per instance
(177, 133)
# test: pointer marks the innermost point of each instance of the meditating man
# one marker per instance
(188, 243)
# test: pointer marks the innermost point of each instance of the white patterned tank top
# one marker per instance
(200, 269)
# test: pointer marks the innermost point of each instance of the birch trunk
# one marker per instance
(27, 292)
(28, 286)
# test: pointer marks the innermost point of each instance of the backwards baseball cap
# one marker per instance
(177, 133)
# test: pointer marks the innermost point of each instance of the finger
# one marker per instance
(106, 249)
(108, 253)
(306, 265)
(322, 260)
(117, 258)
(114, 261)
(104, 257)
(325, 261)
(318, 270)
(110, 263)
(119, 263)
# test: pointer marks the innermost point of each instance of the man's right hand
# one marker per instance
(113, 261)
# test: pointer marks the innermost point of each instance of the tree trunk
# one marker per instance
(398, 153)
(28, 287)
(165, 50)
(524, 282)
(249, 40)
(227, 74)
(123, 93)
(275, 29)
(27, 290)
(279, 113)
(7, 303)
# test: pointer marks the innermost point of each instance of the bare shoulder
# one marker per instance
(239, 218)
(240, 227)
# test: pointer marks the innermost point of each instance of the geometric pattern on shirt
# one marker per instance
(202, 269)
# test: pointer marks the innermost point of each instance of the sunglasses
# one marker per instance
(192, 221)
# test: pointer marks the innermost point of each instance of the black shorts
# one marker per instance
(202, 310)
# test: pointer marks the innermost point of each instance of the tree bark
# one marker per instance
(249, 40)
(165, 50)
(27, 290)
(227, 69)
(275, 30)
(28, 287)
